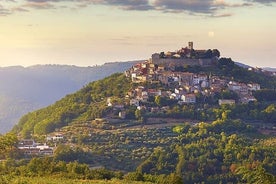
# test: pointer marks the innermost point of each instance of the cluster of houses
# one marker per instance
(29, 147)
(185, 85)
(244, 91)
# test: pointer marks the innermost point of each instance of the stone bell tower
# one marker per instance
(191, 45)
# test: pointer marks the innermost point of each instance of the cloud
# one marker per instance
(221, 15)
(210, 8)
(38, 5)
(19, 9)
(44, 1)
(195, 6)
(140, 5)
(9, 1)
(207, 8)
(4, 11)
(13, 6)
(268, 2)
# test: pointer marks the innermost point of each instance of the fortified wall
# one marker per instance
(186, 56)
(169, 62)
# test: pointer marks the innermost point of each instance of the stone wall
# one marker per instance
(168, 62)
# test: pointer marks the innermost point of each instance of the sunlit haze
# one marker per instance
(90, 32)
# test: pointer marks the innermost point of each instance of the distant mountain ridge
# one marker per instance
(247, 66)
(242, 65)
(24, 89)
(270, 69)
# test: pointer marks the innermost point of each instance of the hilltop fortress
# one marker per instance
(153, 69)
(186, 56)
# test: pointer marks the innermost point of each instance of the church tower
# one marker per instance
(191, 45)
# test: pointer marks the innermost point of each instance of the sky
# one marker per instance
(92, 32)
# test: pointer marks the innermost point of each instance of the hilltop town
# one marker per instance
(163, 69)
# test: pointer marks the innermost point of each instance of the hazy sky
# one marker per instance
(89, 32)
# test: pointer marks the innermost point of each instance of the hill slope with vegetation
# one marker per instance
(25, 89)
(190, 143)
(90, 102)
(87, 104)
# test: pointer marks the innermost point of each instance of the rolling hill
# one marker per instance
(190, 143)
(24, 89)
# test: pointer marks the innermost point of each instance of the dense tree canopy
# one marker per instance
(212, 153)
(8, 146)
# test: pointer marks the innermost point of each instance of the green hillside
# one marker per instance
(87, 104)
(212, 153)
(177, 143)
(91, 101)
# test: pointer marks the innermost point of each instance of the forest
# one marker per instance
(226, 151)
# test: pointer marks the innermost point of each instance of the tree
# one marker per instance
(134, 176)
(225, 114)
(174, 179)
(216, 53)
(138, 114)
(145, 167)
(208, 54)
(8, 146)
(265, 95)
(157, 100)
(270, 113)
(226, 64)
(256, 175)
